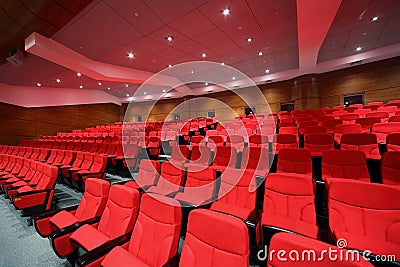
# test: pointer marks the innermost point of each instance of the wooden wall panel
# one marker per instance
(18, 123)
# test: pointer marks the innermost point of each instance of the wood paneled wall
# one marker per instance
(18, 123)
(379, 81)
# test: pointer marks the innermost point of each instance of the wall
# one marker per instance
(379, 81)
(18, 123)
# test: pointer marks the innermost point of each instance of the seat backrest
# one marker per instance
(285, 141)
(236, 141)
(148, 172)
(87, 160)
(78, 159)
(37, 175)
(200, 155)
(330, 124)
(318, 142)
(223, 238)
(171, 177)
(99, 163)
(200, 181)
(235, 188)
(94, 199)
(179, 154)
(365, 142)
(366, 123)
(295, 160)
(94, 147)
(352, 211)
(48, 178)
(390, 168)
(160, 215)
(350, 164)
(292, 242)
(315, 129)
(120, 212)
(258, 140)
(255, 158)
(290, 196)
(393, 142)
(383, 129)
(60, 156)
(225, 156)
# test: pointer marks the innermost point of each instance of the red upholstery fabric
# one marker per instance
(285, 141)
(318, 142)
(117, 219)
(237, 193)
(224, 157)
(179, 155)
(258, 140)
(215, 239)
(289, 204)
(315, 129)
(147, 175)
(365, 142)
(344, 129)
(257, 159)
(366, 123)
(295, 160)
(200, 155)
(393, 142)
(367, 223)
(390, 168)
(170, 180)
(383, 129)
(349, 164)
(235, 141)
(155, 236)
(330, 124)
(291, 242)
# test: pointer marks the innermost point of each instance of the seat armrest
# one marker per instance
(72, 228)
(52, 213)
(23, 194)
(98, 252)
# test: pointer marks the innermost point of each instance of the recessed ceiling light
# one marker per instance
(169, 38)
(39, 84)
(126, 85)
(131, 55)
(169, 66)
(203, 55)
(78, 74)
(58, 80)
(81, 86)
(260, 53)
(222, 63)
(163, 91)
(100, 83)
(358, 49)
(145, 93)
(127, 95)
(249, 39)
(192, 72)
(226, 11)
(108, 88)
(233, 78)
(374, 18)
(136, 14)
(206, 83)
(267, 71)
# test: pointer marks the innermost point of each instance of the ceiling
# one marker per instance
(105, 31)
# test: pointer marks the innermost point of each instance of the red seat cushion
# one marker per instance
(89, 237)
(236, 211)
(122, 258)
(304, 228)
(63, 219)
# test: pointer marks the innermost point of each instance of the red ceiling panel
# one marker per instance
(169, 12)
(186, 26)
(213, 9)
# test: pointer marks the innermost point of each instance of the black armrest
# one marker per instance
(52, 213)
(72, 228)
(34, 192)
(173, 262)
(98, 252)
(90, 173)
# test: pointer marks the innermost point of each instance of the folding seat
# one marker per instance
(365, 222)
(148, 174)
(197, 140)
(383, 116)
(235, 141)
(68, 158)
(390, 168)
(357, 106)
(15, 151)
(78, 146)
(86, 147)
(346, 164)
(237, 194)
(257, 140)
(288, 206)
(102, 149)
(159, 215)
(28, 152)
(96, 170)
(9, 165)
(13, 168)
(76, 164)
(99, 139)
(36, 197)
(289, 123)
(179, 155)
(289, 242)
(318, 142)
(91, 206)
(295, 160)
(223, 238)
(60, 154)
(56, 144)
(315, 129)
(225, 156)
(63, 145)
(349, 118)
(20, 179)
(214, 141)
(362, 112)
(153, 146)
(21, 152)
(397, 113)
(365, 142)
(345, 129)
(393, 142)
(284, 141)
(118, 219)
(110, 149)
(381, 130)
(394, 118)
(51, 157)
(330, 124)
(18, 172)
(200, 155)
(107, 140)
(389, 109)
(170, 181)
(94, 147)
(199, 186)
(49, 144)
(366, 123)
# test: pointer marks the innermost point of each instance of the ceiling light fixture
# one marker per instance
(267, 71)
(58, 80)
(131, 55)
(206, 83)
(358, 49)
(249, 40)
(108, 88)
(169, 38)
(169, 66)
(78, 74)
(374, 19)
(126, 85)
(145, 93)
(223, 64)
(163, 91)
(226, 11)
(39, 84)
(81, 86)
(127, 95)
(192, 72)
(203, 55)
(100, 83)
(260, 53)
(233, 78)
